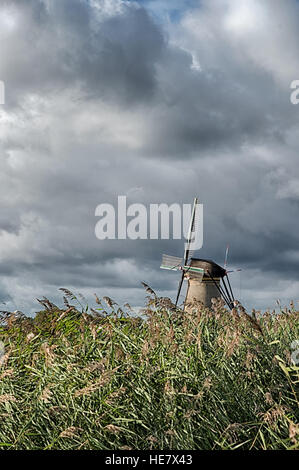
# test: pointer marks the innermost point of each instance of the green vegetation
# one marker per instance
(80, 378)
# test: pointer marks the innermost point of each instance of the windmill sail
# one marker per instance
(174, 263)
(228, 287)
(187, 254)
(179, 288)
(226, 256)
(171, 262)
(191, 233)
(225, 263)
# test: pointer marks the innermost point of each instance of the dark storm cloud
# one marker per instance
(103, 101)
(61, 44)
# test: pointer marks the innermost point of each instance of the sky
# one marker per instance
(160, 101)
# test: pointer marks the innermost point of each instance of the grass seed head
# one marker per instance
(7, 398)
(113, 429)
(70, 432)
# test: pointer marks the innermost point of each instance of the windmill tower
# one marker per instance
(206, 279)
(208, 287)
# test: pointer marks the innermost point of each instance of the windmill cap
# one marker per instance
(209, 266)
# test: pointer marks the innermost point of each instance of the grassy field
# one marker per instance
(81, 378)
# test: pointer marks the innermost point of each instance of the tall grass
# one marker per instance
(80, 378)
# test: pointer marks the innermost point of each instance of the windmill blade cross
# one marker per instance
(171, 262)
(192, 228)
(174, 263)
(179, 288)
(226, 256)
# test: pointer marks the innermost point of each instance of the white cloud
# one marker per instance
(238, 31)
(244, 16)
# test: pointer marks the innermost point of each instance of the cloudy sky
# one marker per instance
(160, 101)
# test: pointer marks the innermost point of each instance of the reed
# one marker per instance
(87, 378)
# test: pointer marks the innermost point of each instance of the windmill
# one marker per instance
(206, 279)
